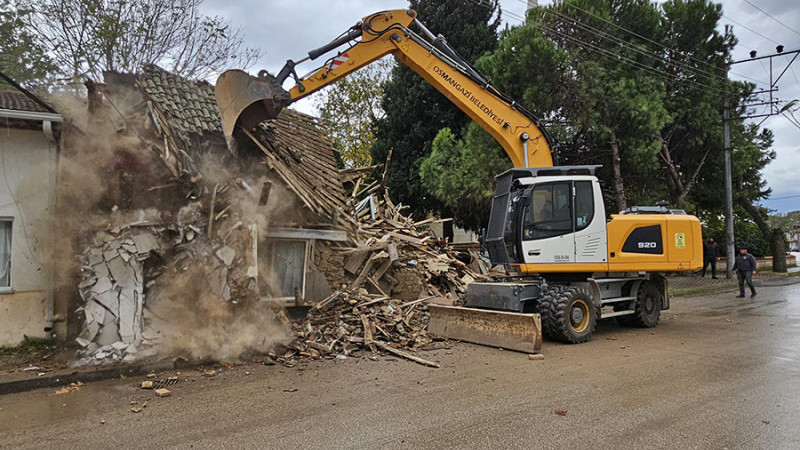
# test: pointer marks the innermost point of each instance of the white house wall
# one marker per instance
(27, 171)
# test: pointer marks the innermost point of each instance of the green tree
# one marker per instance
(456, 173)
(416, 111)
(21, 58)
(87, 37)
(350, 108)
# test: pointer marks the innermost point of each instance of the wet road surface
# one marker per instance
(718, 372)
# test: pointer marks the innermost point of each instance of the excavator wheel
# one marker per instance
(649, 300)
(568, 314)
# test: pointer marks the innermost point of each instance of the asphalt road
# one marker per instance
(718, 372)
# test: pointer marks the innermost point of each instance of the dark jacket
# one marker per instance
(710, 250)
(745, 262)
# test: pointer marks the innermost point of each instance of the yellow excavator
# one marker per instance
(567, 264)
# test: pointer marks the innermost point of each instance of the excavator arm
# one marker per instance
(245, 100)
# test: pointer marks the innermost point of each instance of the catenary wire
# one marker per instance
(773, 18)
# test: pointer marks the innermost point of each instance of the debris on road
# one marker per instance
(72, 387)
(536, 357)
(147, 384)
(163, 392)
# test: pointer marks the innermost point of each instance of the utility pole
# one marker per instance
(726, 133)
(726, 143)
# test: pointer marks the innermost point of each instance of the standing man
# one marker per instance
(710, 254)
(745, 267)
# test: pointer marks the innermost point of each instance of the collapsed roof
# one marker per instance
(295, 146)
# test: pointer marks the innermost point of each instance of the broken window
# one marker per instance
(5, 254)
(287, 261)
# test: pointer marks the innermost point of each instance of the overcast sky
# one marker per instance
(288, 29)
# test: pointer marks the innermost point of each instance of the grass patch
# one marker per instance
(778, 274)
(29, 346)
(700, 290)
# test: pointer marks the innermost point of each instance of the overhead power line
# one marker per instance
(685, 66)
(617, 40)
(655, 71)
(781, 198)
(773, 18)
(632, 33)
(750, 29)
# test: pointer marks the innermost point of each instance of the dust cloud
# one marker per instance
(195, 323)
(107, 170)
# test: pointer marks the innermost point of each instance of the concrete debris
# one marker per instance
(122, 267)
(163, 392)
(147, 384)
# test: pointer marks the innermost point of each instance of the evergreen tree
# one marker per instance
(416, 111)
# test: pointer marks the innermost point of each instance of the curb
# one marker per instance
(56, 379)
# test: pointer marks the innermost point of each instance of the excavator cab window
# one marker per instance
(584, 204)
(550, 211)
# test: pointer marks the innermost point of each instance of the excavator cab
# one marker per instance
(552, 216)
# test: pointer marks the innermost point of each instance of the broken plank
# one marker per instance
(330, 298)
(355, 260)
(374, 284)
(364, 272)
(403, 237)
(367, 329)
(406, 355)
(420, 300)
(265, 189)
(382, 269)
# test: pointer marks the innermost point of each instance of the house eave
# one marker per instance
(30, 115)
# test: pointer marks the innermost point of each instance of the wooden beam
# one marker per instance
(306, 233)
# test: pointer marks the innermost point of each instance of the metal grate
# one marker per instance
(164, 383)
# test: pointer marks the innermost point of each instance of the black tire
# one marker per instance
(568, 314)
(649, 301)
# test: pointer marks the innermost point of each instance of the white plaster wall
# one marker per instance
(460, 235)
(27, 187)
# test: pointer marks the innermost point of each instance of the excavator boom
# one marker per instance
(245, 100)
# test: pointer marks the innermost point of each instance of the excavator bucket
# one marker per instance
(508, 330)
(246, 100)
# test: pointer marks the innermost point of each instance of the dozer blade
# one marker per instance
(247, 100)
(508, 330)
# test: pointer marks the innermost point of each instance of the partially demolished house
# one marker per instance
(301, 194)
(180, 216)
(185, 247)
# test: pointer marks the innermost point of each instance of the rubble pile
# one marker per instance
(123, 264)
(368, 313)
